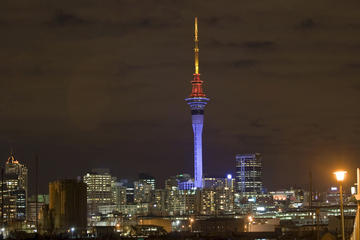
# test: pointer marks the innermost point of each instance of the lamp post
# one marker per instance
(191, 224)
(250, 219)
(72, 229)
(2, 198)
(358, 204)
(340, 176)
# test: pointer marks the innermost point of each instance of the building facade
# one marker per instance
(118, 193)
(249, 174)
(99, 184)
(67, 205)
(34, 207)
(146, 178)
(15, 190)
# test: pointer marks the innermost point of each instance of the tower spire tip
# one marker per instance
(196, 48)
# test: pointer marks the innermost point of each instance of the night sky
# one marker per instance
(88, 84)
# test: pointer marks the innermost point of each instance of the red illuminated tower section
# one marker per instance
(197, 102)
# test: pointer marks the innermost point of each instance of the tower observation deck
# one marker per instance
(197, 102)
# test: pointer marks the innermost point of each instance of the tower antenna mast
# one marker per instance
(196, 48)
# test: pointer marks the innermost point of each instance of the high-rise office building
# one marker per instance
(159, 206)
(15, 190)
(171, 183)
(197, 102)
(249, 174)
(145, 178)
(143, 192)
(144, 189)
(99, 191)
(34, 207)
(118, 194)
(181, 181)
(67, 205)
(180, 202)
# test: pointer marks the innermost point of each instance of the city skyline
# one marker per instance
(88, 89)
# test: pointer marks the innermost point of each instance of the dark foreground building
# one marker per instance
(67, 205)
(219, 225)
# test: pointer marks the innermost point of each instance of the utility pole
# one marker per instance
(310, 190)
(36, 191)
(310, 197)
(317, 223)
(357, 230)
(2, 197)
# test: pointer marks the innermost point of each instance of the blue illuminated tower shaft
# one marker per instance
(197, 124)
(197, 105)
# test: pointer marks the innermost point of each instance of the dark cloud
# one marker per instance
(355, 26)
(154, 23)
(94, 84)
(263, 45)
(221, 21)
(259, 44)
(355, 66)
(258, 123)
(62, 18)
(247, 142)
(244, 63)
(307, 23)
(356, 87)
(213, 20)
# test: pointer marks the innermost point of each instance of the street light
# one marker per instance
(250, 219)
(72, 232)
(191, 224)
(340, 176)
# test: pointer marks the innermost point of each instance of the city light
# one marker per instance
(229, 176)
(260, 209)
(340, 175)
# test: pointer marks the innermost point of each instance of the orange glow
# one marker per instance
(340, 175)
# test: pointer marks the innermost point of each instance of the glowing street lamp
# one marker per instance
(191, 223)
(72, 232)
(340, 176)
(250, 220)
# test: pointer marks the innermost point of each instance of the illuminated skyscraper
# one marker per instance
(145, 178)
(197, 102)
(99, 191)
(15, 190)
(118, 193)
(249, 174)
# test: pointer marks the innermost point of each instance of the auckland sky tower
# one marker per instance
(197, 102)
